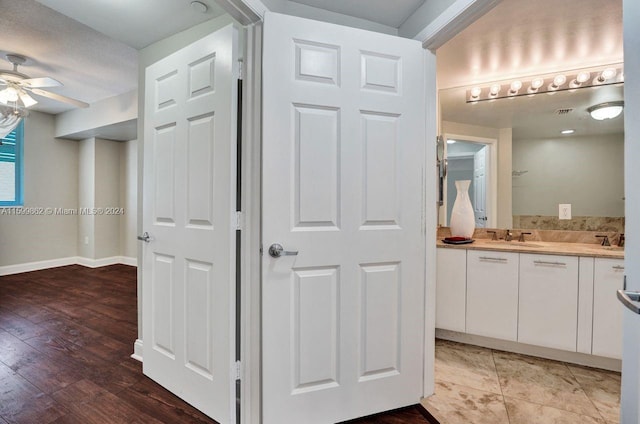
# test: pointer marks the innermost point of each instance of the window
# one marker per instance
(11, 160)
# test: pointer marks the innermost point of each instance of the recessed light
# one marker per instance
(567, 132)
(199, 6)
(450, 141)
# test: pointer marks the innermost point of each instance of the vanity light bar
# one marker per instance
(550, 83)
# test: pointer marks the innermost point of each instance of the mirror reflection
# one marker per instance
(537, 161)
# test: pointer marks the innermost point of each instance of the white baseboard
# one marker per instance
(137, 350)
(36, 266)
(72, 260)
(113, 260)
(127, 260)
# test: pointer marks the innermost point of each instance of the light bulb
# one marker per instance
(494, 90)
(583, 77)
(537, 83)
(475, 93)
(608, 73)
(559, 80)
(515, 86)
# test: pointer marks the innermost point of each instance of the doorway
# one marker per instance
(474, 159)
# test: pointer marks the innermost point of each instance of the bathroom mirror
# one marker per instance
(536, 168)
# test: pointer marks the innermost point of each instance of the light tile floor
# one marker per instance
(475, 385)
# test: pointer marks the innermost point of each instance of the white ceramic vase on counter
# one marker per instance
(463, 221)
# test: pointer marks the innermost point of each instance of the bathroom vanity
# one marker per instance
(551, 299)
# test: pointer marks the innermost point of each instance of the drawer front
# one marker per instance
(548, 301)
(492, 294)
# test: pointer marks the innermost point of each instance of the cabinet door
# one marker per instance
(492, 294)
(548, 302)
(451, 286)
(607, 313)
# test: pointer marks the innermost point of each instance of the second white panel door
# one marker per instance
(343, 134)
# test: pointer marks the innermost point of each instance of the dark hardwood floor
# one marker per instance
(65, 339)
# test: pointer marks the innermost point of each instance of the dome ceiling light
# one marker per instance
(608, 110)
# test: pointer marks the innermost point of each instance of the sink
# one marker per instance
(503, 243)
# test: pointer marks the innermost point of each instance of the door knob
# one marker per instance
(145, 237)
(276, 250)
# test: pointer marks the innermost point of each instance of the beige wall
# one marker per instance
(86, 197)
(107, 195)
(108, 182)
(587, 172)
(71, 175)
(129, 198)
(50, 181)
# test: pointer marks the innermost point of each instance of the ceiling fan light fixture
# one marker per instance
(608, 110)
(11, 94)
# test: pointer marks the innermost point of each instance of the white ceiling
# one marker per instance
(526, 38)
(516, 38)
(387, 12)
(135, 23)
(91, 65)
(90, 45)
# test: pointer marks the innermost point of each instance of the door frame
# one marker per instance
(492, 187)
(249, 13)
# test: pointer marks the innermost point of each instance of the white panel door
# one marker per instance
(343, 134)
(480, 187)
(189, 198)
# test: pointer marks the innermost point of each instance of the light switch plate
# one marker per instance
(564, 211)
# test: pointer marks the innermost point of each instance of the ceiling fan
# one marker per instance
(16, 88)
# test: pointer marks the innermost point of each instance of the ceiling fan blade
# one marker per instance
(41, 82)
(27, 100)
(59, 97)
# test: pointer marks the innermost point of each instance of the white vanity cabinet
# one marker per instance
(548, 301)
(492, 294)
(607, 311)
(451, 288)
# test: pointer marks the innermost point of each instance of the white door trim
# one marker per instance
(492, 187)
(430, 213)
(250, 242)
(454, 19)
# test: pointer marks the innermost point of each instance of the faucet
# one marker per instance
(521, 236)
(621, 241)
(494, 235)
(605, 240)
(508, 236)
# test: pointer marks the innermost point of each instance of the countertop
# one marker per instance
(541, 247)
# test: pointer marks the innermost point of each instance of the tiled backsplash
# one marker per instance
(577, 223)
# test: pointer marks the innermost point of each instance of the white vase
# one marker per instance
(463, 221)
